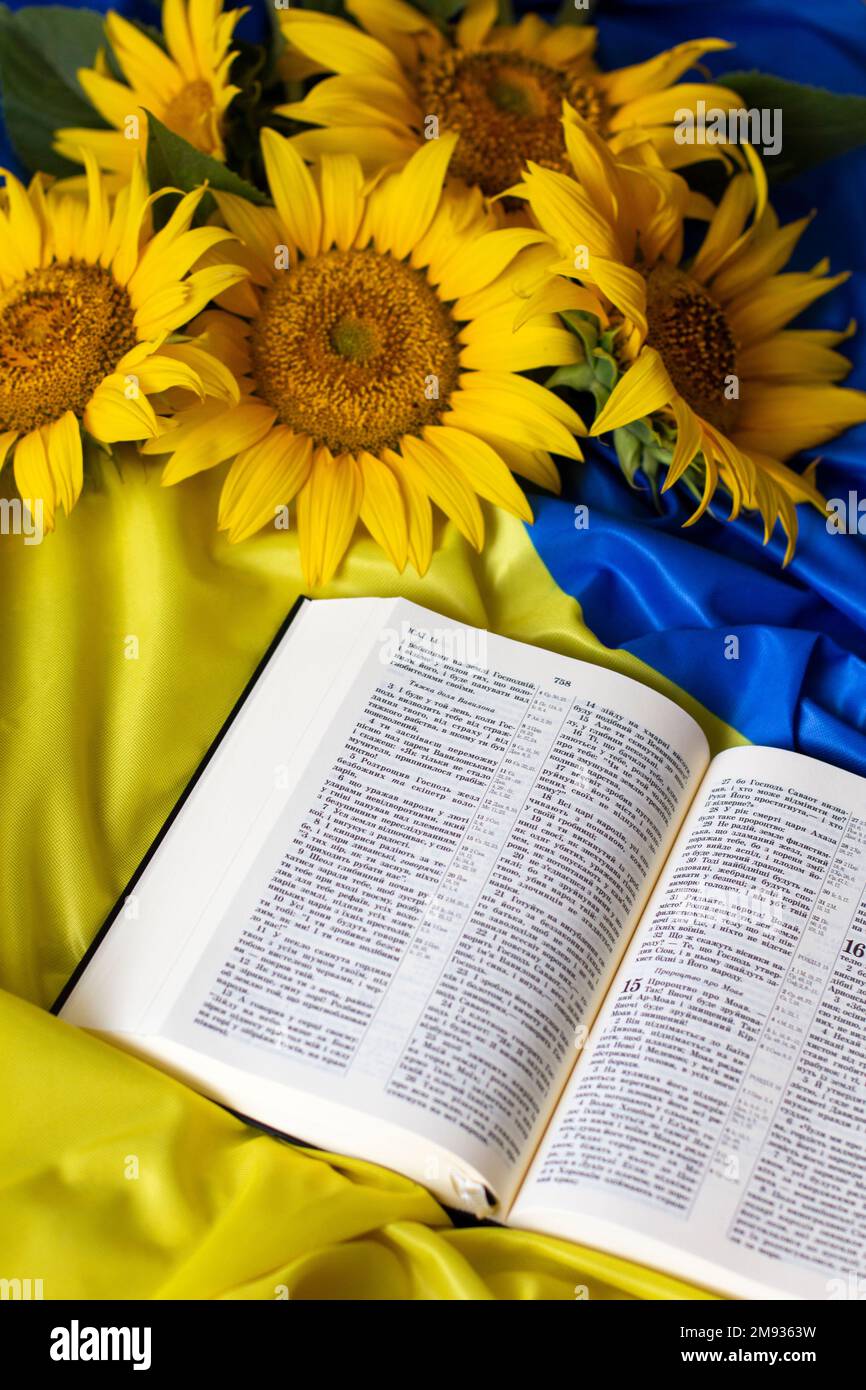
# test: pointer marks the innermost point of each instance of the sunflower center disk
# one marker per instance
(62, 331)
(506, 109)
(188, 114)
(355, 349)
(691, 333)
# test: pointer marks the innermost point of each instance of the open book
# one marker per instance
(492, 917)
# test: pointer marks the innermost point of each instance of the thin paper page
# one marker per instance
(716, 1123)
(436, 913)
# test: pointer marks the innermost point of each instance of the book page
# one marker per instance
(715, 1125)
(438, 903)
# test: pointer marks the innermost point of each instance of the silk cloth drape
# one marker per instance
(96, 746)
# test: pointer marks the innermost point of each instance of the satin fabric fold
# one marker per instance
(127, 636)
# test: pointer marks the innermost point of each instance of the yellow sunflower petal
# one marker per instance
(159, 372)
(258, 228)
(401, 209)
(179, 429)
(507, 384)
(328, 507)
(529, 425)
(419, 513)
(228, 434)
(711, 482)
(758, 261)
(723, 233)
(664, 107)
(479, 463)
(65, 459)
(33, 476)
(367, 100)
(643, 388)
(445, 485)
(113, 100)
(113, 415)
(135, 205)
(491, 344)
(175, 26)
(262, 479)
(294, 192)
(214, 376)
(22, 223)
(800, 487)
(475, 23)
(112, 151)
(147, 68)
(483, 259)
(383, 510)
(341, 182)
(172, 262)
(557, 296)
(767, 308)
(338, 46)
(656, 73)
(782, 420)
(689, 441)
(624, 287)
(792, 355)
(373, 147)
(535, 465)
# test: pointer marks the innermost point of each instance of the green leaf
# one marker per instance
(816, 124)
(41, 50)
(606, 368)
(585, 326)
(173, 162)
(629, 452)
(578, 376)
(644, 431)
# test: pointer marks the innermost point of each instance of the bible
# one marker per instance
(495, 918)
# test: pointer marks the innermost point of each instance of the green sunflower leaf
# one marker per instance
(579, 376)
(606, 368)
(41, 50)
(816, 125)
(173, 162)
(585, 326)
(629, 452)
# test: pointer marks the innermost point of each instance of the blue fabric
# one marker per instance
(673, 597)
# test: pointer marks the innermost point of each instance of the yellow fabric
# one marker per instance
(97, 743)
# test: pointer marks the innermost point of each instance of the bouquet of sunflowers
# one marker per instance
(397, 258)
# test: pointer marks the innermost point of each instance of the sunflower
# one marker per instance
(186, 88)
(692, 360)
(378, 365)
(88, 299)
(400, 79)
